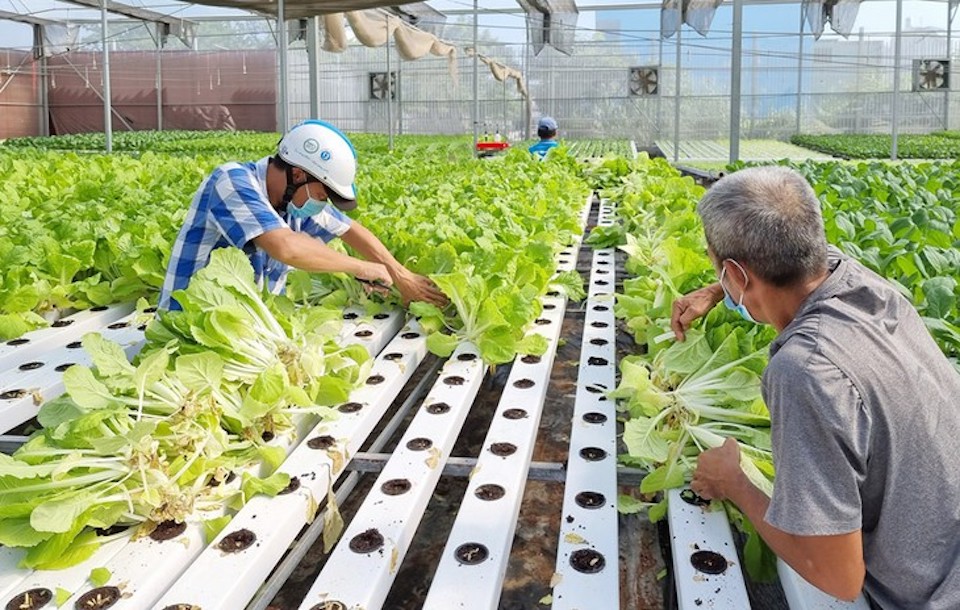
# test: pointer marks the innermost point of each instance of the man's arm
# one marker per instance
(691, 306)
(412, 287)
(305, 252)
(834, 564)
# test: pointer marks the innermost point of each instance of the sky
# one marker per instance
(874, 16)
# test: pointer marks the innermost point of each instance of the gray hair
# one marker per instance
(769, 219)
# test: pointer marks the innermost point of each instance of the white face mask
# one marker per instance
(739, 307)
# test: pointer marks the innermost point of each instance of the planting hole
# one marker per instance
(99, 308)
(267, 436)
(168, 530)
(601, 282)
(530, 359)
(16, 342)
(367, 542)
(454, 380)
(330, 605)
(593, 389)
(291, 487)
(30, 600)
(599, 324)
(375, 379)
(363, 334)
(587, 561)
(596, 361)
(394, 356)
(590, 499)
(471, 553)
(182, 607)
(593, 454)
(350, 407)
(381, 316)
(74, 345)
(395, 487)
(691, 497)
(351, 315)
(13, 394)
(419, 444)
(117, 325)
(237, 541)
(601, 308)
(489, 492)
(438, 408)
(62, 323)
(322, 443)
(110, 531)
(553, 293)
(503, 449)
(598, 342)
(142, 327)
(708, 562)
(594, 418)
(602, 271)
(467, 357)
(523, 384)
(549, 306)
(29, 366)
(542, 321)
(100, 598)
(603, 262)
(514, 413)
(410, 335)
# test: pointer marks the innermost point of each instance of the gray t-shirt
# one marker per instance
(865, 413)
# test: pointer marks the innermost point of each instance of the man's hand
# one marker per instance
(374, 273)
(695, 305)
(415, 287)
(718, 472)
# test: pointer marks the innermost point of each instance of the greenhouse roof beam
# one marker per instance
(184, 29)
(28, 19)
(302, 9)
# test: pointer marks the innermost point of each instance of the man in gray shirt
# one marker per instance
(864, 407)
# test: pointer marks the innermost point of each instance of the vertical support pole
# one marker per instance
(505, 130)
(476, 80)
(896, 81)
(529, 64)
(800, 75)
(946, 91)
(389, 93)
(159, 79)
(659, 87)
(107, 110)
(43, 118)
(676, 101)
(736, 61)
(399, 95)
(282, 43)
(313, 65)
(859, 108)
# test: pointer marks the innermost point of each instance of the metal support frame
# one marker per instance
(736, 61)
(159, 78)
(476, 79)
(800, 74)
(676, 100)
(896, 81)
(313, 59)
(107, 111)
(946, 91)
(527, 62)
(389, 93)
(282, 43)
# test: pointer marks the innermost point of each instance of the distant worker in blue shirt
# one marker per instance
(547, 132)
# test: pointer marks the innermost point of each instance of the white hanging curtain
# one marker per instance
(57, 39)
(502, 72)
(373, 28)
(840, 14)
(698, 14)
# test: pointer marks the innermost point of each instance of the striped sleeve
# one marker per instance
(328, 224)
(240, 209)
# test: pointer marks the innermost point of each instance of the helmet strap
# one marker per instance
(291, 188)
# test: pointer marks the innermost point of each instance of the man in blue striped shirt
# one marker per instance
(281, 211)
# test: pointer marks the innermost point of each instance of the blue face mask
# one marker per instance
(310, 207)
(740, 308)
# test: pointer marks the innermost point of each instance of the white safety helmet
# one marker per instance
(321, 150)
